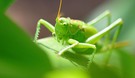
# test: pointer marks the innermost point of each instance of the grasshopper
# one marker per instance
(78, 35)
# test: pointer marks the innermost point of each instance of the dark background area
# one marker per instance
(26, 13)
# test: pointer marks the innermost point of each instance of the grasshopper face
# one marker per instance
(61, 29)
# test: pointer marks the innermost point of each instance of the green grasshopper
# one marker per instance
(78, 35)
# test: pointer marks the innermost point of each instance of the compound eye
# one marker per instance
(64, 24)
(61, 20)
(53, 34)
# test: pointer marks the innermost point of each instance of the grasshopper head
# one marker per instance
(61, 29)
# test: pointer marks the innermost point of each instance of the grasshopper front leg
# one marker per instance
(76, 44)
(49, 26)
(73, 44)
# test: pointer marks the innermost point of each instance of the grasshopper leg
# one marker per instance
(113, 44)
(44, 23)
(106, 31)
(76, 44)
(100, 17)
(87, 46)
(93, 39)
(107, 15)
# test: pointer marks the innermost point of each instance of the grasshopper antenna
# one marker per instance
(58, 15)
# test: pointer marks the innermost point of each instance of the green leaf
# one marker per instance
(68, 59)
(67, 73)
(128, 64)
(68, 65)
(4, 5)
(19, 56)
(120, 65)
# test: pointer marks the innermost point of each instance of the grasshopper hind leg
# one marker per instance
(93, 39)
(105, 14)
(115, 36)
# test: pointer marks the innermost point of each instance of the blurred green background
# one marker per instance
(21, 58)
